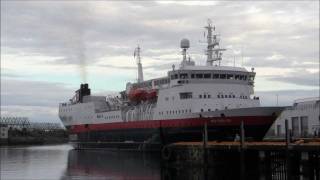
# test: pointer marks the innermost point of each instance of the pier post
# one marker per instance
(205, 141)
(287, 133)
(242, 135)
(242, 150)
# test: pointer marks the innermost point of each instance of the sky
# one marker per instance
(49, 47)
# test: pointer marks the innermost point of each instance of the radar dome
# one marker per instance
(185, 43)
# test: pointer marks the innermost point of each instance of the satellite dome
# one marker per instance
(185, 43)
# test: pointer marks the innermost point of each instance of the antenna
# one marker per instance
(213, 50)
(241, 56)
(138, 58)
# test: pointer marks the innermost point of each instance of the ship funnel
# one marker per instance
(83, 91)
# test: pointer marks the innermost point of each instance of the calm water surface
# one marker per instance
(61, 162)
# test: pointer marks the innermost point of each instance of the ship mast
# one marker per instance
(138, 59)
(213, 50)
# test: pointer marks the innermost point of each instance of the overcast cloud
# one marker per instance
(48, 48)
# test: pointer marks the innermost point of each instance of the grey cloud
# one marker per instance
(285, 97)
(49, 28)
(16, 92)
(299, 77)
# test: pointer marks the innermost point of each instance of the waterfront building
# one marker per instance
(303, 119)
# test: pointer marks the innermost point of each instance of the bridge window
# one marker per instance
(222, 76)
(207, 76)
(186, 95)
(184, 76)
(241, 77)
(175, 76)
(236, 77)
(229, 76)
(192, 76)
(199, 76)
(216, 76)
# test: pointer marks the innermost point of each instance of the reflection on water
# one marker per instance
(113, 165)
(34, 162)
(61, 162)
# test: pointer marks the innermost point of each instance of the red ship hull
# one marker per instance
(224, 127)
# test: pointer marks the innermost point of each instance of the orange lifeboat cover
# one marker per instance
(152, 94)
(137, 94)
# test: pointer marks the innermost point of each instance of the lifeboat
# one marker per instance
(137, 95)
(152, 94)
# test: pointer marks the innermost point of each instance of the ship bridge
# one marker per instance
(211, 74)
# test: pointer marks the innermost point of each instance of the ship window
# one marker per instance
(184, 76)
(241, 77)
(229, 76)
(233, 96)
(192, 76)
(209, 110)
(189, 110)
(222, 76)
(205, 96)
(186, 95)
(200, 96)
(166, 98)
(209, 96)
(236, 77)
(179, 111)
(199, 76)
(218, 96)
(207, 76)
(245, 78)
(226, 96)
(201, 110)
(229, 96)
(216, 76)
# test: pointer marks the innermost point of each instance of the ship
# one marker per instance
(177, 107)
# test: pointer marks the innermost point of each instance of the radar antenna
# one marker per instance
(213, 49)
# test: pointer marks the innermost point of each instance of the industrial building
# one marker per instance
(303, 119)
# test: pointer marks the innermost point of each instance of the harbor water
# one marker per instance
(61, 162)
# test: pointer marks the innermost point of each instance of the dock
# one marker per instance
(268, 159)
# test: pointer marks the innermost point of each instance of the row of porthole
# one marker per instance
(231, 96)
(183, 111)
(108, 117)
